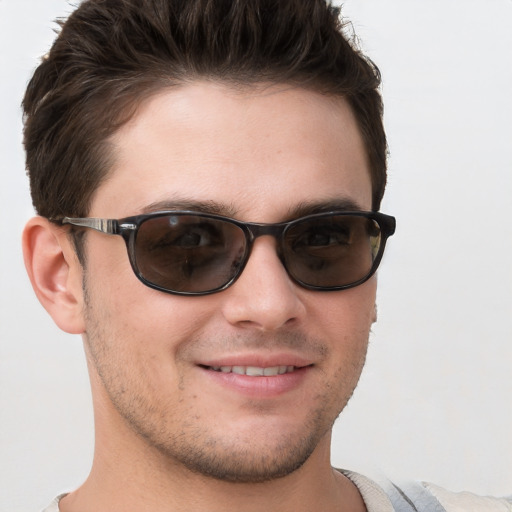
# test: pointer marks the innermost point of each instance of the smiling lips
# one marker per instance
(254, 371)
(266, 381)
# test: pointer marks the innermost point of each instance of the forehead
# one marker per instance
(258, 151)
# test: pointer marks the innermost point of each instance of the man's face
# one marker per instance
(258, 155)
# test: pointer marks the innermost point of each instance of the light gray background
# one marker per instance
(434, 401)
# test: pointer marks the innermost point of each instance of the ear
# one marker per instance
(375, 315)
(55, 273)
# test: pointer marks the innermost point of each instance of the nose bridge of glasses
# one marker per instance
(257, 230)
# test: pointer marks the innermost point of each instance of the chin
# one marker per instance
(258, 453)
(242, 466)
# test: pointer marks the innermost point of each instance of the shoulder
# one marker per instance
(422, 497)
(54, 505)
(468, 501)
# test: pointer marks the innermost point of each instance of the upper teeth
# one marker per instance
(254, 371)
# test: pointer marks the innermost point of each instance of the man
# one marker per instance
(237, 149)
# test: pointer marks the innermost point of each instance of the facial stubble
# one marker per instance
(193, 444)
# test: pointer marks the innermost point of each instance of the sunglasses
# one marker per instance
(191, 253)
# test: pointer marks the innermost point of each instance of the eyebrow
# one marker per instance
(303, 208)
(342, 204)
(212, 207)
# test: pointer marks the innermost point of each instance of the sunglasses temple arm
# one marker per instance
(108, 226)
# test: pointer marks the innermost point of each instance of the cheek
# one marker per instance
(349, 311)
(108, 271)
(147, 324)
(344, 319)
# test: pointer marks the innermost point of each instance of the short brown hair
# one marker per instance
(111, 54)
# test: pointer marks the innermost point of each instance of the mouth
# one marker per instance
(254, 371)
(256, 377)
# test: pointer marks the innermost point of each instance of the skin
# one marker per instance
(174, 435)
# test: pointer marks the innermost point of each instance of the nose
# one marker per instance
(264, 297)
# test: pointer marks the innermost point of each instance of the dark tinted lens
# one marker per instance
(332, 251)
(188, 253)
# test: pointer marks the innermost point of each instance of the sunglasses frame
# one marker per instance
(128, 227)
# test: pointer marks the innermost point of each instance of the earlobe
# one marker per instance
(55, 273)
